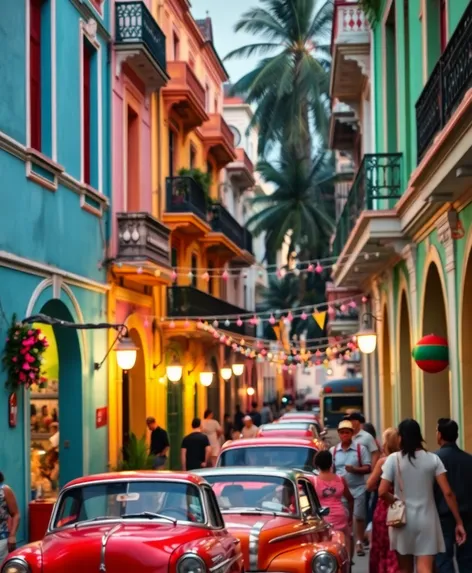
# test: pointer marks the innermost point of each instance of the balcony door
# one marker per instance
(174, 422)
(132, 162)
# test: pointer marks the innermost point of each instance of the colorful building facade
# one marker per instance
(54, 144)
(404, 234)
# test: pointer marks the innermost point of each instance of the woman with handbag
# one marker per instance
(382, 559)
(414, 527)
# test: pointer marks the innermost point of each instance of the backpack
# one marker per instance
(359, 456)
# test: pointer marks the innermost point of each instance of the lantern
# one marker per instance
(431, 354)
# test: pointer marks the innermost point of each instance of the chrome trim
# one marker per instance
(16, 561)
(191, 555)
(324, 552)
(105, 539)
(226, 563)
(313, 529)
(254, 545)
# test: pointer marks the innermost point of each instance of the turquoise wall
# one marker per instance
(50, 228)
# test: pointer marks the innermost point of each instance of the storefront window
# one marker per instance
(44, 412)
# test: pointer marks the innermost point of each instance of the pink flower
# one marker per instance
(30, 358)
(32, 375)
(22, 376)
(26, 366)
(30, 333)
(14, 359)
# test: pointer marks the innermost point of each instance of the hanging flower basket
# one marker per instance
(23, 356)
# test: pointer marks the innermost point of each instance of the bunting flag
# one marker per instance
(320, 318)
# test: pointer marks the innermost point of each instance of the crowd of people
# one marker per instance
(361, 481)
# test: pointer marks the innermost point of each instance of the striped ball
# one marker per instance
(431, 354)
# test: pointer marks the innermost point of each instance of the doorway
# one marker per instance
(405, 377)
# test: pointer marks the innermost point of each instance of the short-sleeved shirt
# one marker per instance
(366, 440)
(350, 457)
(159, 441)
(195, 444)
(250, 432)
(211, 427)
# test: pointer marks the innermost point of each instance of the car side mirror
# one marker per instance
(323, 511)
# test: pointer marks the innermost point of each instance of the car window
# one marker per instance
(175, 500)
(309, 494)
(270, 456)
(216, 519)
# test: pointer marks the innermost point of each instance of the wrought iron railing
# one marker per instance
(190, 302)
(223, 222)
(184, 195)
(377, 186)
(447, 85)
(135, 24)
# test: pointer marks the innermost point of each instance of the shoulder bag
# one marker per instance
(396, 514)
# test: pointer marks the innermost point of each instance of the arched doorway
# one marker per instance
(466, 354)
(175, 421)
(405, 378)
(59, 400)
(436, 397)
(387, 402)
(134, 393)
(213, 391)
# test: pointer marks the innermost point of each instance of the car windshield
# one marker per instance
(254, 492)
(289, 426)
(270, 456)
(130, 499)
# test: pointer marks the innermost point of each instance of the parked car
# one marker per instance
(270, 451)
(276, 515)
(291, 429)
(151, 522)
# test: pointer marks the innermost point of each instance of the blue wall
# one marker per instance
(51, 228)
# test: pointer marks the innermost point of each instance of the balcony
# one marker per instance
(143, 249)
(218, 139)
(186, 206)
(343, 130)
(344, 323)
(368, 231)
(192, 303)
(350, 50)
(449, 82)
(185, 95)
(241, 171)
(141, 44)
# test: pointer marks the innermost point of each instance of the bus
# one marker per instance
(337, 397)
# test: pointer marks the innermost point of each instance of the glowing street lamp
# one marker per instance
(238, 368)
(226, 372)
(126, 353)
(250, 391)
(367, 337)
(174, 371)
(206, 377)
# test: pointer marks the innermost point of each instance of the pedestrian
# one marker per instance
(159, 443)
(9, 519)
(196, 450)
(371, 497)
(255, 415)
(382, 559)
(458, 465)
(227, 427)
(212, 429)
(250, 429)
(331, 489)
(235, 435)
(352, 461)
(266, 414)
(238, 418)
(413, 472)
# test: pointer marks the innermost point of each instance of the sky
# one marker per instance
(224, 15)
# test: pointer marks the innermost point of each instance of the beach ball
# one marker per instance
(431, 354)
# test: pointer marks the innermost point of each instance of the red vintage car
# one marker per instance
(291, 429)
(277, 517)
(146, 522)
(277, 452)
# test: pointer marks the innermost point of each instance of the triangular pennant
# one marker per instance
(320, 318)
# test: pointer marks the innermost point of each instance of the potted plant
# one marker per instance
(135, 455)
(202, 179)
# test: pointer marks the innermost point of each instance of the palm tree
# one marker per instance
(290, 86)
(296, 206)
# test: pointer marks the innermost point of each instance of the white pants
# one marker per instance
(3, 550)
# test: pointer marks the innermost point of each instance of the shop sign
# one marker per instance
(101, 417)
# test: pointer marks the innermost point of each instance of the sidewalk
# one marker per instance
(361, 564)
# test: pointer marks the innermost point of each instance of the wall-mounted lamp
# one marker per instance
(226, 372)
(174, 370)
(367, 337)
(126, 353)
(206, 377)
(250, 391)
(238, 368)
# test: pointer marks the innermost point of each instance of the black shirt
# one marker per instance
(159, 441)
(256, 417)
(458, 465)
(195, 444)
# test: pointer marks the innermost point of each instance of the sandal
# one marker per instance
(360, 549)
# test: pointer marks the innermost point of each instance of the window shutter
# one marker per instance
(35, 73)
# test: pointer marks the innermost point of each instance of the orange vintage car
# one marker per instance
(277, 517)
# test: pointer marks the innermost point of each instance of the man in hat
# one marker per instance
(352, 461)
(250, 429)
(362, 437)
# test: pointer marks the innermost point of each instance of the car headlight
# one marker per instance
(16, 565)
(189, 563)
(324, 562)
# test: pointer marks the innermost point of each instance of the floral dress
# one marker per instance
(382, 559)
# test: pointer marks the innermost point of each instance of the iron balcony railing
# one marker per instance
(184, 195)
(377, 186)
(136, 25)
(447, 85)
(190, 302)
(223, 222)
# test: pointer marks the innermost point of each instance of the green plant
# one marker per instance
(135, 455)
(202, 178)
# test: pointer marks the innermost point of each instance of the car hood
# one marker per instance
(263, 537)
(120, 547)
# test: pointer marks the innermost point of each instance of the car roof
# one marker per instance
(145, 475)
(269, 441)
(291, 474)
(289, 425)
